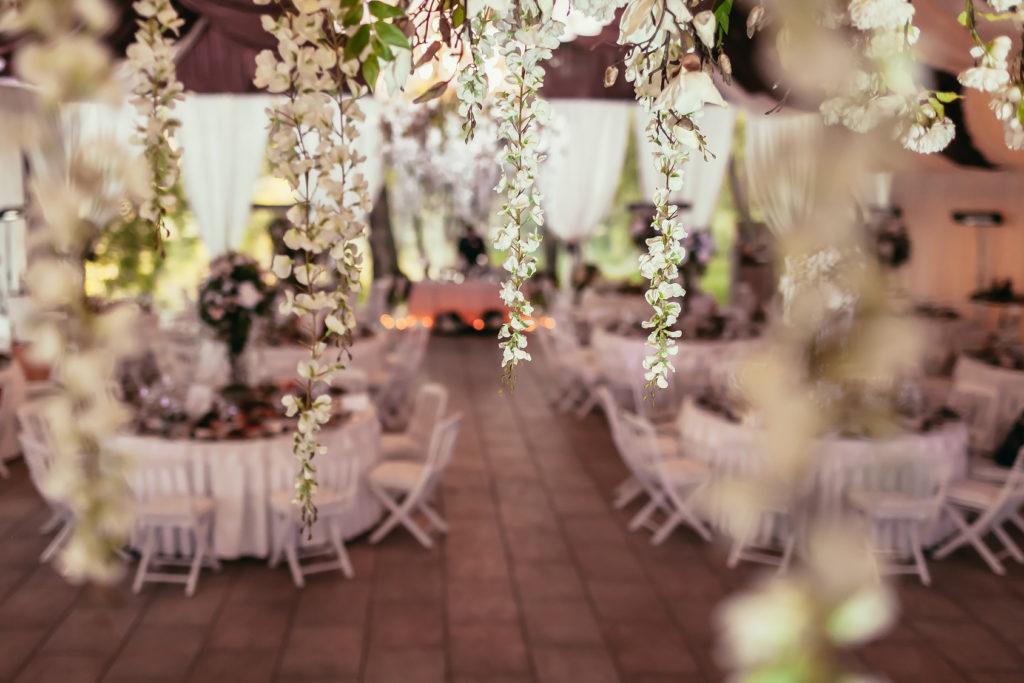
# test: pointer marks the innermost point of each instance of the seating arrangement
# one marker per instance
(338, 478)
(391, 398)
(405, 487)
(900, 490)
(977, 406)
(427, 410)
(980, 507)
(164, 513)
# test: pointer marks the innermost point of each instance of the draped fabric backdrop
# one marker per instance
(782, 166)
(702, 179)
(224, 138)
(583, 169)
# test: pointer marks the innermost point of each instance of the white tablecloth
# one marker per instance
(275, 363)
(241, 475)
(602, 308)
(711, 437)
(698, 363)
(469, 300)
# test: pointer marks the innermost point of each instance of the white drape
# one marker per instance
(579, 178)
(782, 168)
(702, 179)
(369, 144)
(224, 138)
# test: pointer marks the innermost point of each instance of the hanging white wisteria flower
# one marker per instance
(931, 130)
(150, 67)
(322, 49)
(526, 34)
(78, 339)
(672, 81)
(992, 72)
(473, 84)
(1007, 107)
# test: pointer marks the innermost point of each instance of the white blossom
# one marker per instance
(872, 14)
(928, 138)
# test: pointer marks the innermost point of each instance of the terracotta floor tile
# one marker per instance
(92, 631)
(420, 665)
(63, 668)
(252, 626)
(234, 667)
(649, 647)
(342, 602)
(563, 664)
(322, 652)
(560, 622)
(909, 663)
(621, 601)
(16, 647)
(536, 544)
(969, 646)
(157, 652)
(481, 600)
(546, 581)
(406, 624)
(487, 649)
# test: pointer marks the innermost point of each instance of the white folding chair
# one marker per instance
(977, 405)
(337, 482)
(405, 487)
(39, 459)
(988, 505)
(768, 535)
(671, 482)
(392, 398)
(34, 428)
(1011, 405)
(900, 491)
(167, 502)
(580, 371)
(632, 487)
(428, 409)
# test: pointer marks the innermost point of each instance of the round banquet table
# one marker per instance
(469, 300)
(275, 363)
(241, 474)
(698, 362)
(711, 437)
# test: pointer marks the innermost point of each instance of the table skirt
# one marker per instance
(727, 447)
(241, 475)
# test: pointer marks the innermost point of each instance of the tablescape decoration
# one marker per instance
(234, 295)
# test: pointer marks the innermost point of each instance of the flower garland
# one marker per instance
(671, 55)
(78, 340)
(151, 67)
(322, 47)
(527, 35)
(472, 81)
(993, 72)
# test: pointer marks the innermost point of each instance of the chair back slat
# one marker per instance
(428, 409)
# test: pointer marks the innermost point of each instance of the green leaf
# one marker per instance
(382, 10)
(962, 18)
(458, 16)
(722, 10)
(382, 51)
(354, 16)
(371, 69)
(947, 97)
(357, 43)
(390, 34)
(1020, 111)
(940, 110)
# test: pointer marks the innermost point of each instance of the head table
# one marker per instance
(242, 474)
(471, 299)
(728, 447)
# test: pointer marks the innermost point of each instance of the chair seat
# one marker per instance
(175, 506)
(397, 475)
(323, 499)
(891, 505)
(397, 446)
(973, 494)
(989, 472)
(668, 445)
(681, 471)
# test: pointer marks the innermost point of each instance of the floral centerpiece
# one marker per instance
(231, 298)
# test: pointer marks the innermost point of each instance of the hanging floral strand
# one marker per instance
(151, 67)
(669, 62)
(322, 49)
(81, 342)
(527, 34)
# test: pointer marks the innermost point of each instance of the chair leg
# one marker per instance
(4, 472)
(970, 534)
(626, 492)
(200, 532)
(400, 514)
(787, 553)
(148, 539)
(278, 531)
(736, 552)
(919, 561)
(58, 542)
(590, 400)
(52, 524)
(1011, 547)
(291, 551)
(434, 518)
(339, 548)
(642, 517)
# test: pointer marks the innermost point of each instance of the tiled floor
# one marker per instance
(538, 581)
